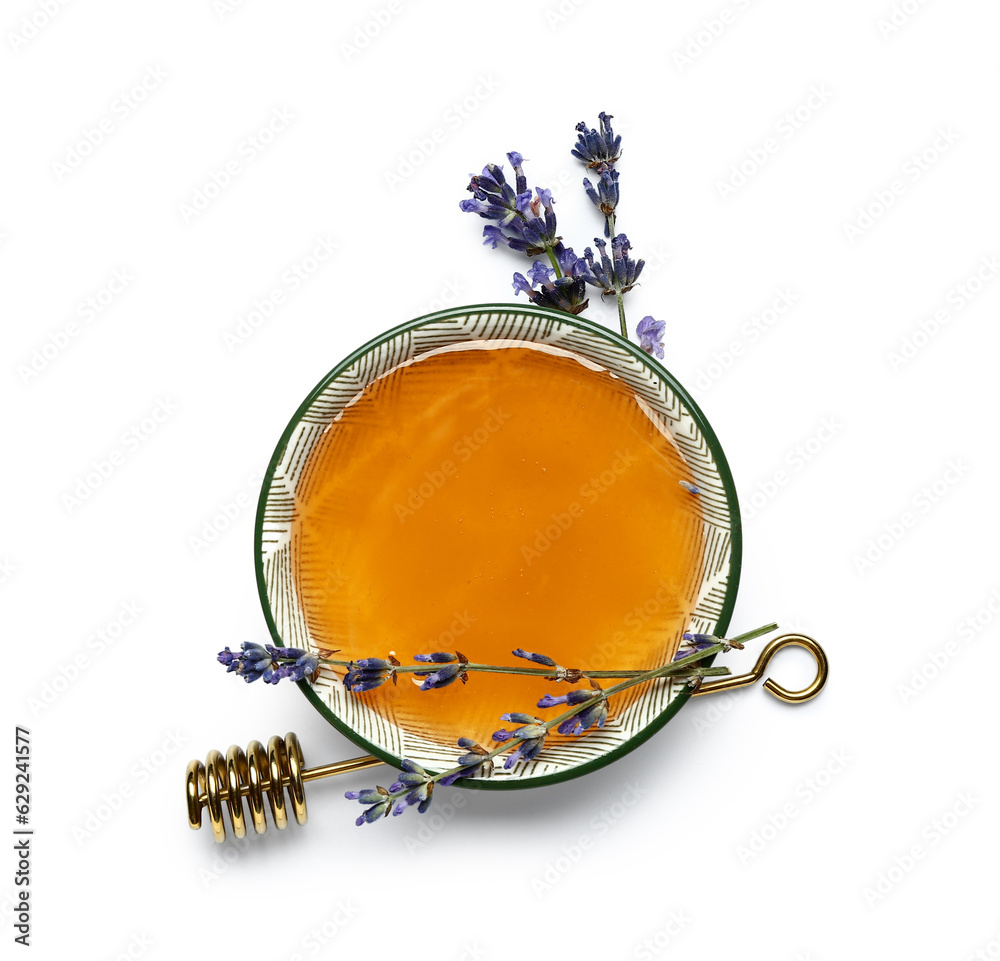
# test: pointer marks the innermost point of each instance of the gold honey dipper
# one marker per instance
(223, 782)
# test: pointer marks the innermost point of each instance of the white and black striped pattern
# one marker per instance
(640, 707)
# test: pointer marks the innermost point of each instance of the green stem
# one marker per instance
(548, 250)
(668, 669)
(554, 262)
(546, 672)
(621, 313)
(674, 668)
(752, 635)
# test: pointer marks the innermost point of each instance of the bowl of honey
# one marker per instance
(484, 479)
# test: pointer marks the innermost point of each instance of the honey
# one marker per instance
(491, 497)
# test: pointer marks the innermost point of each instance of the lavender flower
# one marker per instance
(650, 334)
(540, 274)
(604, 196)
(537, 658)
(568, 293)
(474, 763)
(253, 661)
(438, 657)
(524, 224)
(418, 785)
(422, 795)
(597, 149)
(573, 697)
(377, 797)
(494, 199)
(532, 737)
(368, 673)
(617, 274)
(695, 643)
(303, 665)
(528, 226)
(411, 775)
(594, 711)
(443, 676)
(270, 663)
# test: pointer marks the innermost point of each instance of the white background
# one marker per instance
(746, 827)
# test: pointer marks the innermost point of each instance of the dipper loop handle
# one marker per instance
(772, 687)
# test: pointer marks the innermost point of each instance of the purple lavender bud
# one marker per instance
(438, 657)
(254, 653)
(253, 662)
(516, 718)
(528, 749)
(304, 665)
(442, 677)
(406, 781)
(695, 643)
(537, 658)
(419, 795)
(289, 652)
(597, 149)
(520, 181)
(366, 795)
(604, 196)
(373, 664)
(367, 674)
(595, 712)
(373, 813)
(689, 487)
(569, 263)
(585, 719)
(565, 293)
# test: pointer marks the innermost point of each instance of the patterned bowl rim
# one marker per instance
(722, 466)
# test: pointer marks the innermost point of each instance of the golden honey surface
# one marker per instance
(487, 499)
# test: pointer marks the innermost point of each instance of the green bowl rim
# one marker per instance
(736, 533)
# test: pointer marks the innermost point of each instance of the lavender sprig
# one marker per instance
(524, 224)
(605, 197)
(597, 148)
(585, 709)
(270, 663)
(369, 673)
(600, 151)
(527, 225)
